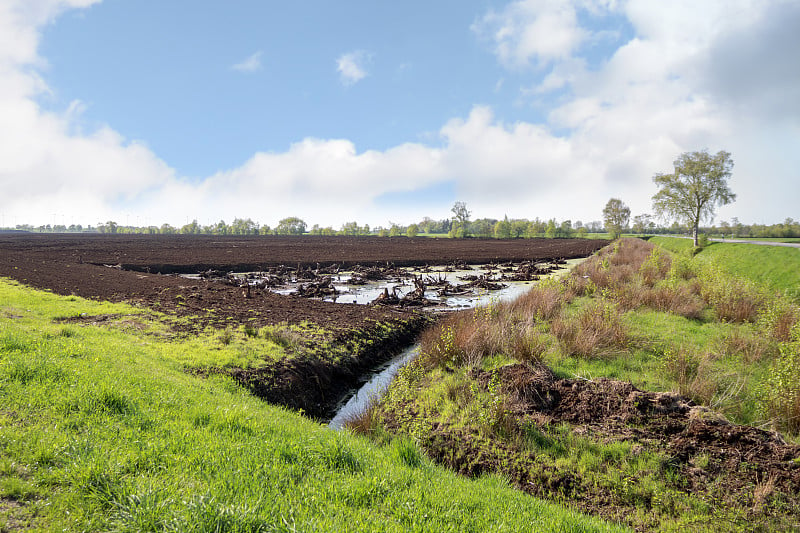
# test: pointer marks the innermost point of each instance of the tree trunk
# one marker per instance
(694, 235)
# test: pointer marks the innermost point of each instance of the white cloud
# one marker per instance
(352, 66)
(721, 78)
(533, 31)
(250, 64)
(716, 75)
(44, 168)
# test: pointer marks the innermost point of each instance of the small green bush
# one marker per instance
(781, 392)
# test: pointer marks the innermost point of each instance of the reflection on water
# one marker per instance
(367, 293)
(373, 389)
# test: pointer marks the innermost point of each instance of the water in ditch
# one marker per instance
(373, 389)
(378, 382)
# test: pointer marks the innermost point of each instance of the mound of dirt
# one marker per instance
(715, 457)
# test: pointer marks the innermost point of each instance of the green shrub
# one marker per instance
(781, 391)
(733, 299)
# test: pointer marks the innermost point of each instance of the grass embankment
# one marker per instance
(101, 429)
(479, 398)
(774, 267)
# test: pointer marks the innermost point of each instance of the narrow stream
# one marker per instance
(376, 386)
(373, 389)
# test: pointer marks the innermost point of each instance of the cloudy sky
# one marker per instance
(153, 111)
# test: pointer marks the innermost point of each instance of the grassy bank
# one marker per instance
(544, 390)
(101, 429)
(773, 267)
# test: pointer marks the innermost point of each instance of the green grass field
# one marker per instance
(102, 430)
(774, 267)
(770, 239)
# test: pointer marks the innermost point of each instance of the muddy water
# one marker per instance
(366, 294)
(378, 382)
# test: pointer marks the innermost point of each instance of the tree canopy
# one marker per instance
(696, 187)
(460, 227)
(616, 215)
(291, 226)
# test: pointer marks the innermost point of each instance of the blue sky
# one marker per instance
(150, 111)
(167, 73)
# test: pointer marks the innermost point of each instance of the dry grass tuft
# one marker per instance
(467, 337)
(762, 491)
(676, 299)
(596, 331)
(437, 344)
(693, 373)
(750, 348)
(785, 323)
(655, 268)
(543, 302)
(367, 422)
(779, 318)
(733, 300)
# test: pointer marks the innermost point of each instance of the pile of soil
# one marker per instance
(733, 466)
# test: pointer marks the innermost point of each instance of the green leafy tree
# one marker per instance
(427, 224)
(518, 228)
(616, 215)
(350, 229)
(641, 223)
(412, 230)
(502, 230)
(192, 228)
(108, 227)
(565, 229)
(220, 228)
(245, 226)
(550, 231)
(461, 214)
(697, 186)
(291, 226)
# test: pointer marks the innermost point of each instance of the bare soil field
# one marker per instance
(133, 267)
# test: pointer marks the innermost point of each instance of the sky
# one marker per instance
(150, 111)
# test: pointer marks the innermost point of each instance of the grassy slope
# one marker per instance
(100, 429)
(774, 267)
(727, 365)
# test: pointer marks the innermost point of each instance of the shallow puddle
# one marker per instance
(366, 293)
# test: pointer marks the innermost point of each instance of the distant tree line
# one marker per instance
(616, 221)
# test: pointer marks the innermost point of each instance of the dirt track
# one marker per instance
(74, 264)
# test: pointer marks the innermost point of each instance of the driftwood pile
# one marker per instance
(415, 298)
(317, 289)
